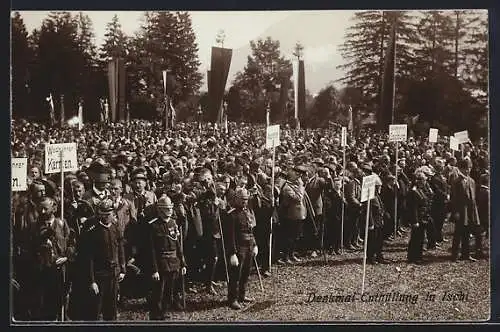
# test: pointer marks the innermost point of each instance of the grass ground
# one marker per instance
(288, 291)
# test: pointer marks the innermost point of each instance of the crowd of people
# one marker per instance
(156, 214)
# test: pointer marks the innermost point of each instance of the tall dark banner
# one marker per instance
(217, 78)
(385, 115)
(117, 82)
(285, 86)
(113, 91)
(122, 79)
(302, 89)
(208, 115)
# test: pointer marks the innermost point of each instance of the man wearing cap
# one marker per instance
(464, 211)
(167, 258)
(241, 248)
(315, 187)
(104, 258)
(420, 204)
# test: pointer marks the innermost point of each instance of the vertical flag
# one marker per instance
(113, 90)
(52, 115)
(165, 98)
(121, 81)
(128, 113)
(295, 65)
(219, 72)
(62, 110)
(350, 125)
(285, 83)
(80, 115)
(172, 113)
(388, 91)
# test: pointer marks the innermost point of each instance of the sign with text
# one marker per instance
(433, 135)
(344, 137)
(19, 174)
(53, 158)
(398, 133)
(272, 136)
(462, 136)
(453, 143)
(368, 187)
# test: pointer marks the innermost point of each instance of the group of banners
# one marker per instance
(58, 158)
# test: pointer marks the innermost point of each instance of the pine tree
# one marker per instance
(364, 49)
(21, 60)
(115, 41)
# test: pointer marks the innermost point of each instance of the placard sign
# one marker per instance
(453, 143)
(19, 174)
(344, 136)
(53, 158)
(272, 136)
(398, 133)
(368, 187)
(433, 135)
(462, 136)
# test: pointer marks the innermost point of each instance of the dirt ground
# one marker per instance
(439, 290)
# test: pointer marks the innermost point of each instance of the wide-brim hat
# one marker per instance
(300, 169)
(318, 161)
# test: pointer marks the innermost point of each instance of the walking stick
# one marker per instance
(258, 273)
(182, 275)
(223, 248)
(323, 249)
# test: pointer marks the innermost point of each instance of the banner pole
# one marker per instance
(272, 204)
(365, 244)
(62, 218)
(342, 200)
(396, 193)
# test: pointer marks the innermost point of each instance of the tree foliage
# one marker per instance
(258, 85)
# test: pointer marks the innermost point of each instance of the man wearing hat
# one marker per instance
(167, 258)
(211, 245)
(315, 187)
(99, 191)
(104, 258)
(50, 243)
(464, 211)
(293, 211)
(353, 213)
(419, 203)
(241, 248)
(441, 190)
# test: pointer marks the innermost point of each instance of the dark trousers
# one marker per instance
(238, 275)
(416, 244)
(375, 242)
(351, 227)
(263, 232)
(438, 216)
(105, 301)
(293, 232)
(333, 232)
(48, 295)
(162, 297)
(461, 240)
(430, 231)
(211, 250)
(388, 229)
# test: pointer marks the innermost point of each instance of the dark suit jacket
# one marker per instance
(315, 189)
(463, 200)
